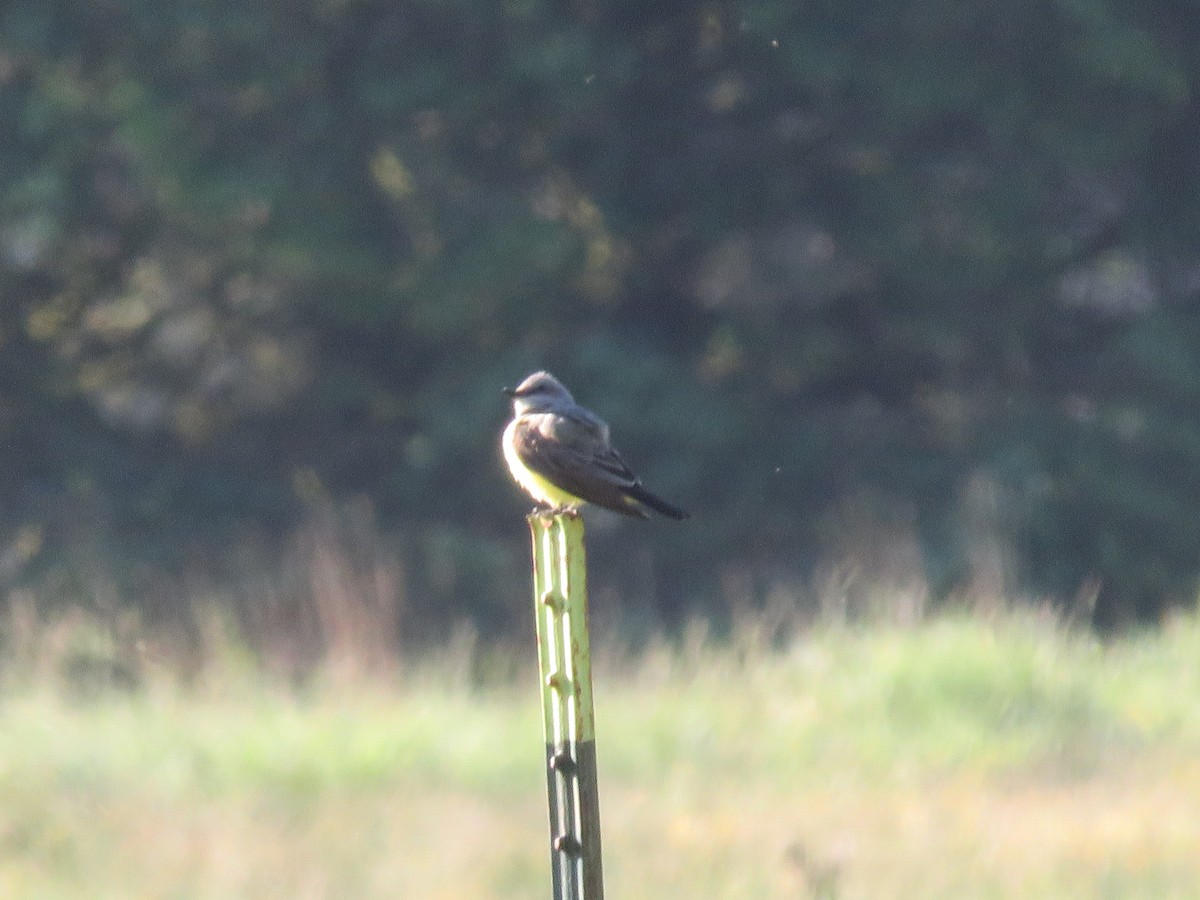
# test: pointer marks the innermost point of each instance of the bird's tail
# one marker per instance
(656, 503)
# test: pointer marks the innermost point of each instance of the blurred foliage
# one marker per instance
(933, 263)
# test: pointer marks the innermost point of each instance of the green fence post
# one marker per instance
(565, 666)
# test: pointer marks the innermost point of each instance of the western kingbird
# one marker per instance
(560, 454)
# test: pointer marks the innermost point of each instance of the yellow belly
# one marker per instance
(534, 484)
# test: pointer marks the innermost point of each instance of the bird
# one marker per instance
(560, 453)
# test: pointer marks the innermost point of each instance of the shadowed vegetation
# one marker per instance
(831, 271)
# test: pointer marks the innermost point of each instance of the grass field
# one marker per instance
(959, 759)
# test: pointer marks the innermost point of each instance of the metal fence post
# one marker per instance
(565, 666)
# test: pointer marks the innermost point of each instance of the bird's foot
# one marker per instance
(549, 512)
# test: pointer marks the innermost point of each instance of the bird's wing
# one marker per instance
(573, 453)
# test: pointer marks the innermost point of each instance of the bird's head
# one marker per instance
(538, 391)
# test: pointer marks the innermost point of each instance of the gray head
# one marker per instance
(539, 391)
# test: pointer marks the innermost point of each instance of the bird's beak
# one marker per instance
(508, 392)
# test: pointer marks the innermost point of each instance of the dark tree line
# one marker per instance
(830, 269)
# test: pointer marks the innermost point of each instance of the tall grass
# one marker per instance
(967, 757)
(272, 742)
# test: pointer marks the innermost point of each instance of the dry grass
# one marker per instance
(961, 758)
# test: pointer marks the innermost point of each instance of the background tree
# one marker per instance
(830, 270)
